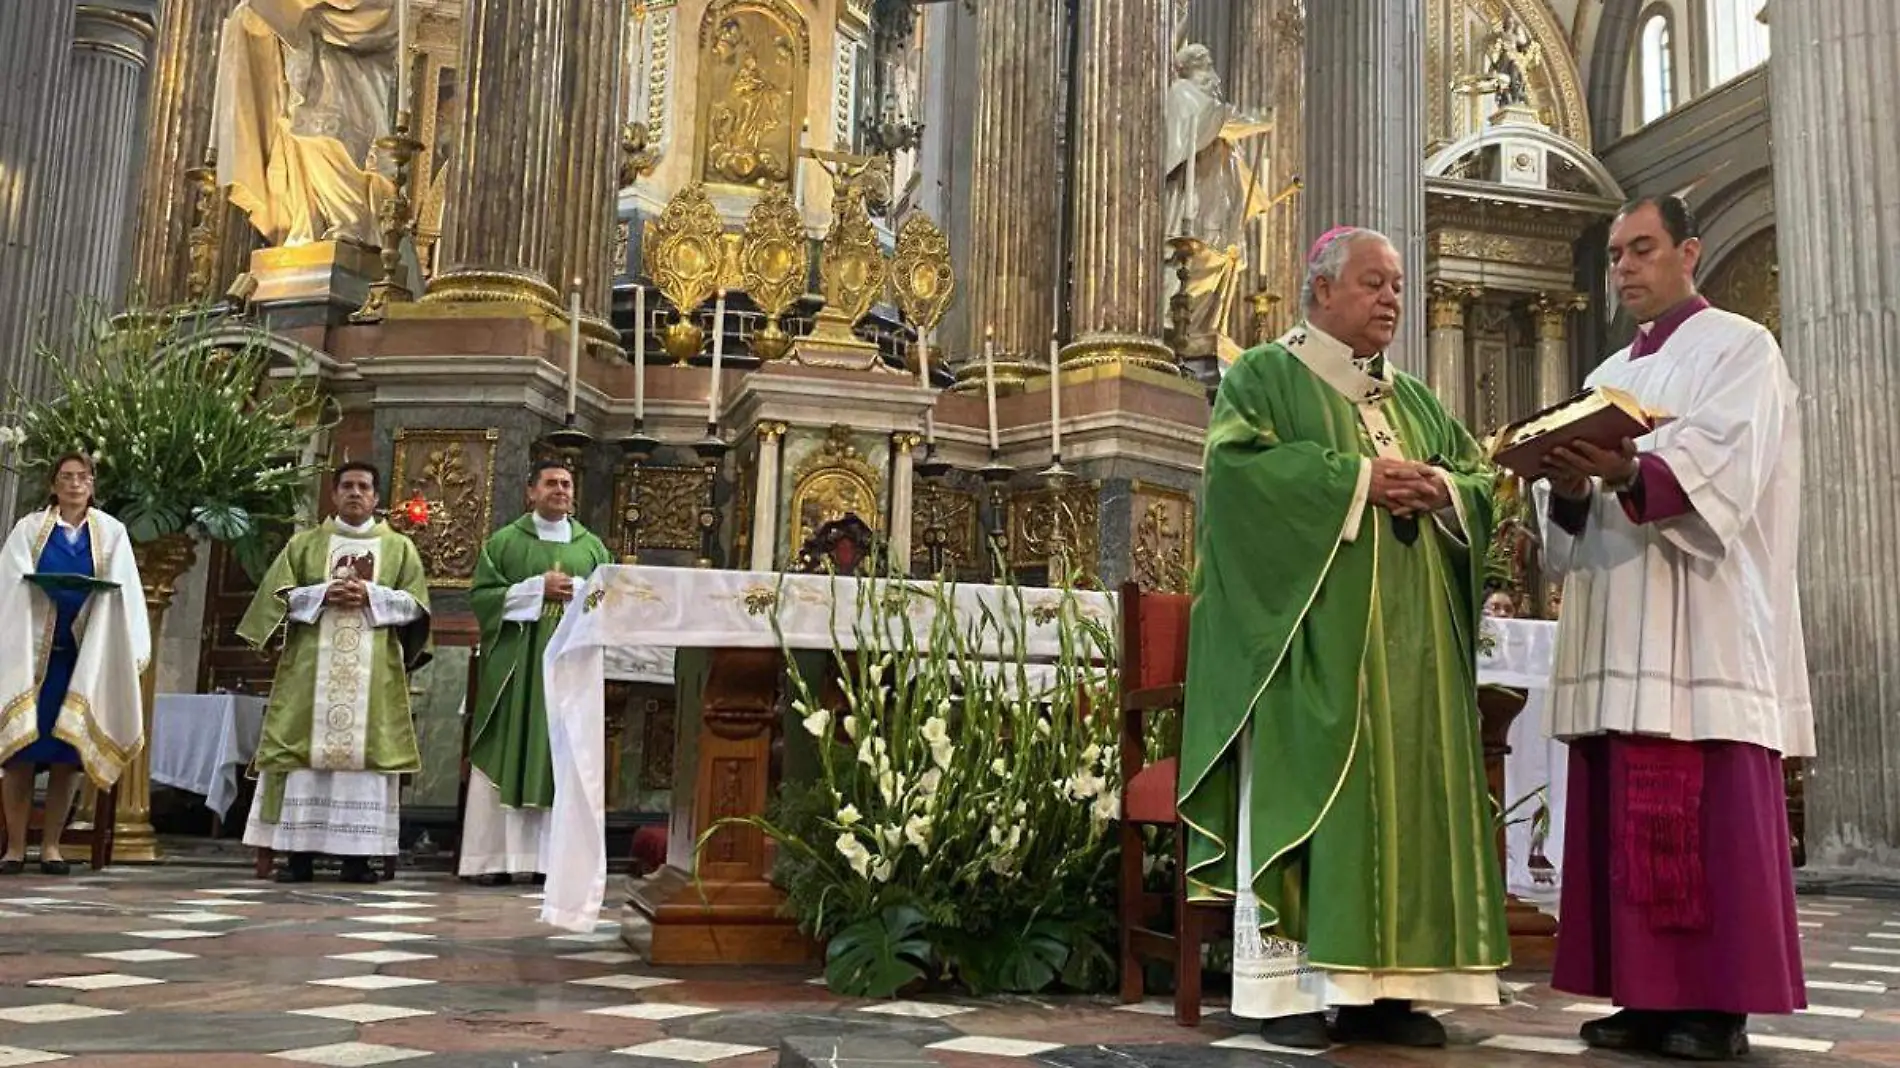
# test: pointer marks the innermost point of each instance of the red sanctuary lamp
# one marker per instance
(416, 511)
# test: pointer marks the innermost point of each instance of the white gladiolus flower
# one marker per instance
(871, 753)
(852, 726)
(890, 837)
(1084, 785)
(1091, 754)
(1042, 727)
(818, 723)
(917, 833)
(999, 766)
(1108, 806)
(877, 671)
(882, 871)
(930, 781)
(887, 786)
(855, 853)
(937, 733)
(849, 815)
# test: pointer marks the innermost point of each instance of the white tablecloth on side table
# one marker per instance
(1520, 656)
(201, 743)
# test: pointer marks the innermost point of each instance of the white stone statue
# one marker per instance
(1211, 191)
(303, 92)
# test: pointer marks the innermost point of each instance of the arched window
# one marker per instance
(1738, 38)
(1657, 75)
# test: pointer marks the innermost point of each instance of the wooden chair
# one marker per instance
(1154, 645)
(96, 839)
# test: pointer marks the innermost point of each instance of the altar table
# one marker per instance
(1519, 653)
(201, 743)
(628, 614)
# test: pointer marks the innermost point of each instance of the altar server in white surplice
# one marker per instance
(1681, 678)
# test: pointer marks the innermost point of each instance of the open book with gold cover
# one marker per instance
(1604, 417)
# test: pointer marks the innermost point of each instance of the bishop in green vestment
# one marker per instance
(527, 573)
(1332, 780)
(352, 599)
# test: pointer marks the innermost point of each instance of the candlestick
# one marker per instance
(719, 355)
(573, 347)
(989, 383)
(923, 375)
(1055, 399)
(639, 355)
(402, 55)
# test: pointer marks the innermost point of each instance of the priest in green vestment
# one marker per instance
(1332, 780)
(353, 602)
(527, 573)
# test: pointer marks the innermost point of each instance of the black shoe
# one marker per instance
(1306, 1031)
(56, 867)
(1706, 1036)
(1389, 1023)
(357, 870)
(12, 867)
(1636, 1030)
(299, 868)
(493, 878)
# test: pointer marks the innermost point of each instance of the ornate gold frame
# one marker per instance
(793, 23)
(830, 478)
(462, 504)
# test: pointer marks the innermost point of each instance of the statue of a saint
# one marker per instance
(1211, 193)
(303, 92)
(748, 121)
(1508, 61)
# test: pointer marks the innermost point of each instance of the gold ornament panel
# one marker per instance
(835, 478)
(754, 57)
(1162, 554)
(684, 249)
(1069, 517)
(921, 274)
(669, 500)
(958, 512)
(773, 259)
(454, 471)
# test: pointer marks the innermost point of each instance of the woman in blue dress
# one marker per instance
(68, 549)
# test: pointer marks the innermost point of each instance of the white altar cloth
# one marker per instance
(1520, 655)
(201, 743)
(624, 608)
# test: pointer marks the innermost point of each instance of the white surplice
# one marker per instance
(337, 808)
(497, 839)
(1690, 628)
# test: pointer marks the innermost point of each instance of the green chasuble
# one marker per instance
(1345, 660)
(356, 673)
(509, 737)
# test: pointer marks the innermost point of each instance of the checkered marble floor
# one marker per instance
(206, 968)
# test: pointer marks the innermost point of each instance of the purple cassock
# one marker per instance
(1678, 893)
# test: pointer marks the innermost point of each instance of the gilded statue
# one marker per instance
(303, 92)
(1211, 193)
(749, 123)
(1509, 58)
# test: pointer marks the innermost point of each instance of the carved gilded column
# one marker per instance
(1016, 193)
(1554, 376)
(1272, 80)
(1833, 72)
(903, 498)
(591, 162)
(1449, 370)
(1365, 136)
(765, 498)
(177, 131)
(498, 233)
(84, 225)
(1120, 80)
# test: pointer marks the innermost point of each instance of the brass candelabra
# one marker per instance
(396, 220)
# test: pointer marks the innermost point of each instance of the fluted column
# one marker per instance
(1552, 312)
(1834, 74)
(1449, 373)
(178, 129)
(87, 213)
(1015, 197)
(498, 237)
(1272, 80)
(765, 498)
(1120, 73)
(591, 162)
(1365, 136)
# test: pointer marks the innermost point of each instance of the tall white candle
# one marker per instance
(989, 382)
(719, 355)
(402, 56)
(923, 380)
(573, 345)
(1055, 399)
(640, 353)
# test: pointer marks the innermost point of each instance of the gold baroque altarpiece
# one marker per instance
(454, 472)
(1161, 558)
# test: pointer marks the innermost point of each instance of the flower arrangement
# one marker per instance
(957, 829)
(174, 411)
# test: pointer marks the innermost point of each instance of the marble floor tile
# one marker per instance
(382, 956)
(102, 981)
(920, 1010)
(371, 982)
(656, 1011)
(143, 956)
(995, 1047)
(350, 1054)
(624, 982)
(689, 1051)
(388, 936)
(53, 1012)
(13, 1056)
(362, 1012)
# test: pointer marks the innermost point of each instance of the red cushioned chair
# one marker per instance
(1161, 927)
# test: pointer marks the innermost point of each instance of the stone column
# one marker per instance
(1120, 81)
(1015, 197)
(1449, 373)
(765, 498)
(590, 166)
(177, 131)
(498, 237)
(1365, 137)
(87, 212)
(1554, 375)
(1837, 210)
(1272, 81)
(903, 499)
